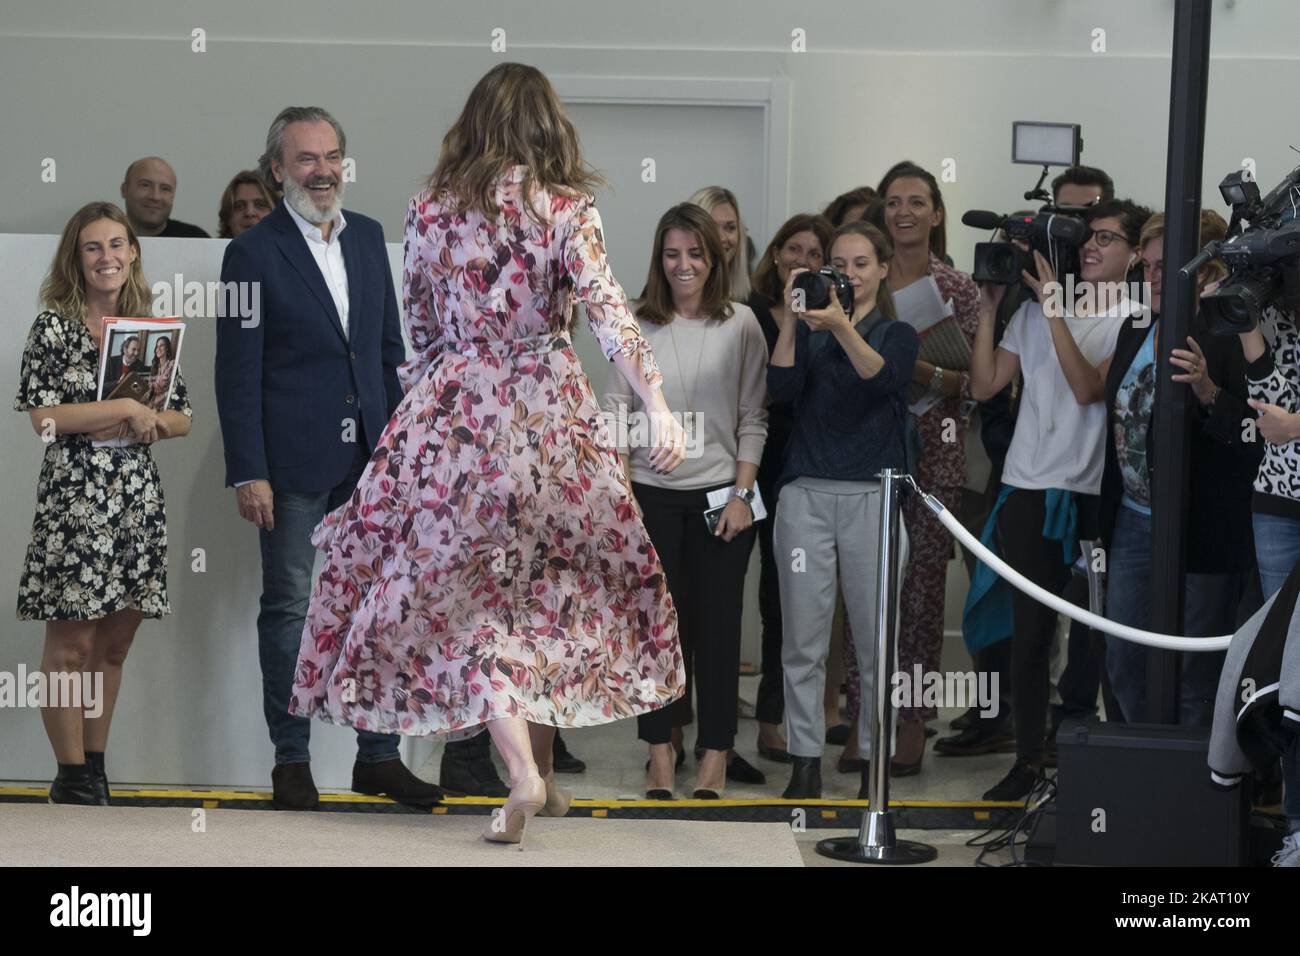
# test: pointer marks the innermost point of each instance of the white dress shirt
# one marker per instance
(329, 258)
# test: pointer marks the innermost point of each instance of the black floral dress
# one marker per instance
(99, 539)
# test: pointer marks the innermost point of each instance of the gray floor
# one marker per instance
(36, 835)
(616, 765)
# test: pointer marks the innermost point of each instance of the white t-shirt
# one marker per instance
(1058, 443)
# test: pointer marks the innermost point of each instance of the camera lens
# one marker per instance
(816, 290)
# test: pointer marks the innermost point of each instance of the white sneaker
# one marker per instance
(1289, 855)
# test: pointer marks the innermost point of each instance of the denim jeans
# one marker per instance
(1209, 608)
(1277, 549)
(287, 560)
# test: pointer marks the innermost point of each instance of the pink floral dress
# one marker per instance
(490, 562)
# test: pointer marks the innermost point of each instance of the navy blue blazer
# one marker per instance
(288, 384)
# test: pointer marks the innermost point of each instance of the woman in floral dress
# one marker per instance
(491, 566)
(96, 564)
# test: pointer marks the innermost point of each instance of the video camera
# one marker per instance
(1058, 232)
(1263, 257)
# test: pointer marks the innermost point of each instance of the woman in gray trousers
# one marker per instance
(847, 376)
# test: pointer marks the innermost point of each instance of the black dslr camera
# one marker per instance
(817, 286)
(1263, 259)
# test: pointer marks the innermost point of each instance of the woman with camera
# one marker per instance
(846, 371)
(714, 358)
(1220, 549)
(915, 214)
(800, 243)
(1053, 468)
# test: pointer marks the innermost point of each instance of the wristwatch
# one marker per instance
(744, 494)
(936, 380)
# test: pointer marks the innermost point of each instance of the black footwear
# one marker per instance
(292, 787)
(897, 769)
(970, 717)
(565, 762)
(774, 754)
(930, 732)
(864, 782)
(838, 735)
(740, 770)
(805, 779)
(1016, 785)
(74, 784)
(978, 739)
(98, 777)
(703, 794)
(467, 768)
(659, 794)
(394, 780)
(850, 764)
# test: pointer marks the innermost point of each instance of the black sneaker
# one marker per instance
(1016, 785)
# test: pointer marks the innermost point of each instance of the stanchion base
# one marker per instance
(903, 852)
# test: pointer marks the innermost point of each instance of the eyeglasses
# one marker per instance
(1105, 237)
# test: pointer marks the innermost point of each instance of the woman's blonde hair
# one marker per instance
(656, 303)
(1212, 228)
(64, 288)
(512, 117)
(738, 275)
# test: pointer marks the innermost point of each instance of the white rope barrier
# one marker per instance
(1014, 577)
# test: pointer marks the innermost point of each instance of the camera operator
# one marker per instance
(1220, 550)
(1078, 683)
(1054, 465)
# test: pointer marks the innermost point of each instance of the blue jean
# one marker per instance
(1210, 604)
(287, 559)
(1277, 549)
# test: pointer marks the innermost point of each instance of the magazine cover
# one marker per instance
(138, 359)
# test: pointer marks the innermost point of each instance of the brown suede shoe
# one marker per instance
(292, 787)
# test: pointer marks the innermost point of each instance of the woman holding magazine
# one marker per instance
(914, 213)
(97, 561)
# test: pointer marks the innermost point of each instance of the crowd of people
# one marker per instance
(795, 408)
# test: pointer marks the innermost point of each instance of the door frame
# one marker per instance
(771, 95)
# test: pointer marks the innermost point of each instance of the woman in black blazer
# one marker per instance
(1220, 547)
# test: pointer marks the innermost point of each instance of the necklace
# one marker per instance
(689, 425)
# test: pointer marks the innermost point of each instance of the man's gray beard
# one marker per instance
(302, 203)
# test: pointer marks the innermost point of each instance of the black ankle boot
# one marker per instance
(864, 782)
(74, 785)
(98, 778)
(805, 779)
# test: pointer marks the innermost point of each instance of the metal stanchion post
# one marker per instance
(875, 842)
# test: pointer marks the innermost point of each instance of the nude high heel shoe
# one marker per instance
(557, 800)
(526, 798)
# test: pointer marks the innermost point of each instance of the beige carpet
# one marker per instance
(46, 835)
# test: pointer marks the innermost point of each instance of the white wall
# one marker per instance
(96, 85)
